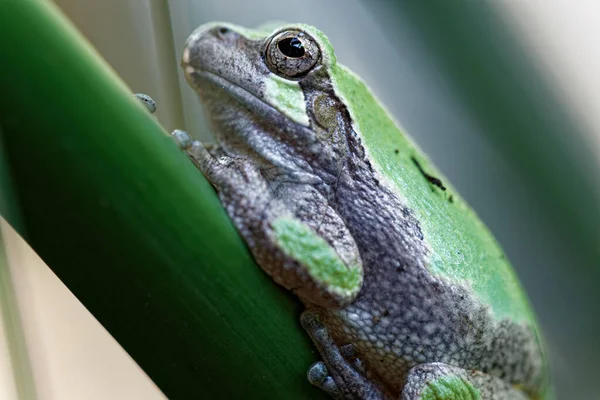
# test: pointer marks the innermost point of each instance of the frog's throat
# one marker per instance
(197, 78)
(223, 89)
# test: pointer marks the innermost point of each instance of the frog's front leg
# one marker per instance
(438, 381)
(306, 249)
(292, 232)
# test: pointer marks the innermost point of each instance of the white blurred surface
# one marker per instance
(71, 355)
(8, 387)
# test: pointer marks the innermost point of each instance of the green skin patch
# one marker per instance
(287, 97)
(463, 250)
(450, 388)
(299, 241)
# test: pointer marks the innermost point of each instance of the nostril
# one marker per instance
(224, 32)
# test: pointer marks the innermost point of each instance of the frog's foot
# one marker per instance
(443, 381)
(340, 374)
(146, 101)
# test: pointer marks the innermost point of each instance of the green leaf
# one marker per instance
(130, 225)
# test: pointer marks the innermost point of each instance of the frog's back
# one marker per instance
(465, 250)
(465, 273)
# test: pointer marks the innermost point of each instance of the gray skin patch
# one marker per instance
(266, 166)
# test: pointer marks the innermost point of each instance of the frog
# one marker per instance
(407, 294)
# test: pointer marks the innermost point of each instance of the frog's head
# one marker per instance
(269, 95)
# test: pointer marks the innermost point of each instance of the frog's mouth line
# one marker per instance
(238, 93)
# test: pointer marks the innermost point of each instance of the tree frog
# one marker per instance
(407, 293)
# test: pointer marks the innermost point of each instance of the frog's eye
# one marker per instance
(291, 54)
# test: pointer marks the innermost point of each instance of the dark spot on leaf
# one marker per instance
(396, 151)
(451, 199)
(430, 178)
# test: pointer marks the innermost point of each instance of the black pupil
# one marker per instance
(291, 47)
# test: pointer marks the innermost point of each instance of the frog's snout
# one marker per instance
(220, 63)
(202, 43)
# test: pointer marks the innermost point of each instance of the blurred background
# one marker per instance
(502, 95)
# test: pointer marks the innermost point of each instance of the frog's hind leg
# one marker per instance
(340, 374)
(439, 381)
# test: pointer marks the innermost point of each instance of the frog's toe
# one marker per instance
(310, 321)
(349, 353)
(146, 101)
(318, 375)
(182, 139)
